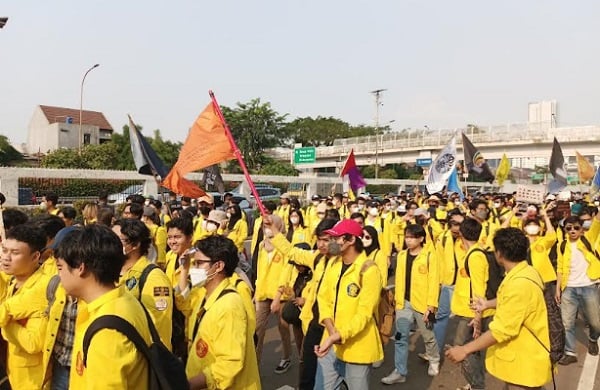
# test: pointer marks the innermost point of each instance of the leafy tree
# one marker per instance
(317, 132)
(64, 159)
(8, 154)
(100, 156)
(168, 151)
(255, 126)
(270, 166)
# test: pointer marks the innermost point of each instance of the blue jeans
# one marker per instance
(404, 320)
(60, 377)
(586, 299)
(443, 315)
(331, 372)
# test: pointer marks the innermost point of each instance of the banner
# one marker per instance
(352, 179)
(503, 170)
(475, 162)
(557, 169)
(442, 167)
(145, 158)
(585, 170)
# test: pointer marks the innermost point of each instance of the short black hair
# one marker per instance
(185, 225)
(358, 244)
(470, 229)
(476, 202)
(573, 219)
(13, 217)
(325, 224)
(270, 205)
(33, 236)
(512, 244)
(332, 213)
(98, 248)
(50, 224)
(105, 216)
(136, 210)
(416, 230)
(137, 198)
(52, 197)
(136, 232)
(220, 248)
(68, 212)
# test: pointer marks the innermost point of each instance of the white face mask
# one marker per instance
(360, 207)
(457, 203)
(204, 223)
(354, 210)
(147, 203)
(198, 276)
(596, 203)
(268, 233)
(532, 230)
(586, 224)
(211, 227)
(315, 202)
(228, 215)
(497, 205)
(43, 206)
(294, 220)
(373, 212)
(367, 243)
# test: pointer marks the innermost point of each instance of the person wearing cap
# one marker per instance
(283, 210)
(205, 206)
(271, 281)
(348, 298)
(156, 293)
(157, 252)
(319, 262)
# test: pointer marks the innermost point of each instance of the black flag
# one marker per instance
(475, 161)
(557, 169)
(145, 158)
(212, 178)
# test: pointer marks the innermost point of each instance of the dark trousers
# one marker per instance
(312, 337)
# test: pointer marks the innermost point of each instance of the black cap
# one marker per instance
(316, 197)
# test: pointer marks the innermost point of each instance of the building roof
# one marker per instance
(59, 114)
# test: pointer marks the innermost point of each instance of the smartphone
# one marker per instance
(430, 321)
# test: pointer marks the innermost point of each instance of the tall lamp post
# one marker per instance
(81, 106)
(377, 94)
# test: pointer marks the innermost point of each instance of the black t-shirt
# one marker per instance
(409, 261)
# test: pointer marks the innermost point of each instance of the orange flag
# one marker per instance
(585, 170)
(206, 144)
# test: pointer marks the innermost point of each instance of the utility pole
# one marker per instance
(377, 93)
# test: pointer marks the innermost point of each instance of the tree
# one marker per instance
(63, 159)
(8, 154)
(255, 126)
(103, 156)
(168, 151)
(270, 166)
(317, 132)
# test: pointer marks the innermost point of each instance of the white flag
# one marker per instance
(442, 167)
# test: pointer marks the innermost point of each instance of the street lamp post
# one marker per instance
(377, 94)
(81, 106)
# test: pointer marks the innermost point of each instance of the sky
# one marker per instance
(444, 63)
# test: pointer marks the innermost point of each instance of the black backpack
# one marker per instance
(585, 242)
(165, 370)
(495, 273)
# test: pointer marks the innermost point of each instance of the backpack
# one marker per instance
(178, 339)
(495, 273)
(585, 242)
(202, 311)
(556, 328)
(386, 308)
(51, 291)
(165, 370)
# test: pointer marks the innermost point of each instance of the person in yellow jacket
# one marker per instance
(236, 228)
(578, 271)
(347, 300)
(370, 240)
(20, 259)
(157, 292)
(158, 234)
(480, 211)
(283, 210)
(470, 286)
(319, 263)
(89, 262)
(448, 250)
(257, 237)
(416, 295)
(222, 353)
(518, 338)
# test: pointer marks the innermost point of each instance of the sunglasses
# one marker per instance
(574, 227)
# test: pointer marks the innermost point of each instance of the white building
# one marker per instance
(53, 128)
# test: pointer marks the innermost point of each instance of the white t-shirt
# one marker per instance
(577, 273)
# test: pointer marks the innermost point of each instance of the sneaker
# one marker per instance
(377, 364)
(394, 377)
(434, 369)
(593, 347)
(568, 359)
(423, 356)
(465, 387)
(284, 365)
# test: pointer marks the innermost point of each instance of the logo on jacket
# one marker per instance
(352, 290)
(131, 283)
(201, 348)
(79, 364)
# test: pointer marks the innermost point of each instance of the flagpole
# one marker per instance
(237, 153)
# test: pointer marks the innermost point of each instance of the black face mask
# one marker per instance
(204, 210)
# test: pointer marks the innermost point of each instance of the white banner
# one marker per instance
(530, 195)
(442, 167)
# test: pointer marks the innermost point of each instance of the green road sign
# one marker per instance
(305, 155)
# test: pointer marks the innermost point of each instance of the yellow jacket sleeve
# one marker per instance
(300, 256)
(514, 310)
(368, 298)
(160, 240)
(29, 337)
(157, 298)
(433, 281)
(478, 272)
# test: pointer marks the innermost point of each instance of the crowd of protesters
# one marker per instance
(181, 267)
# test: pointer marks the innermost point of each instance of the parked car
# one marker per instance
(135, 189)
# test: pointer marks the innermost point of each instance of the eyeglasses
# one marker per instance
(197, 262)
(572, 227)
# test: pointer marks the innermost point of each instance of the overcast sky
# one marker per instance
(444, 63)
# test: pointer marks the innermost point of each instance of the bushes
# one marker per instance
(74, 187)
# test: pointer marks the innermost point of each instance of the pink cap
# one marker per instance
(347, 226)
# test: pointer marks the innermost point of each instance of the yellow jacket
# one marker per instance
(381, 260)
(25, 337)
(447, 253)
(238, 234)
(476, 283)
(539, 256)
(157, 296)
(246, 293)
(424, 281)
(223, 347)
(520, 311)
(349, 301)
(564, 259)
(283, 212)
(318, 264)
(300, 235)
(272, 273)
(159, 238)
(113, 362)
(257, 227)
